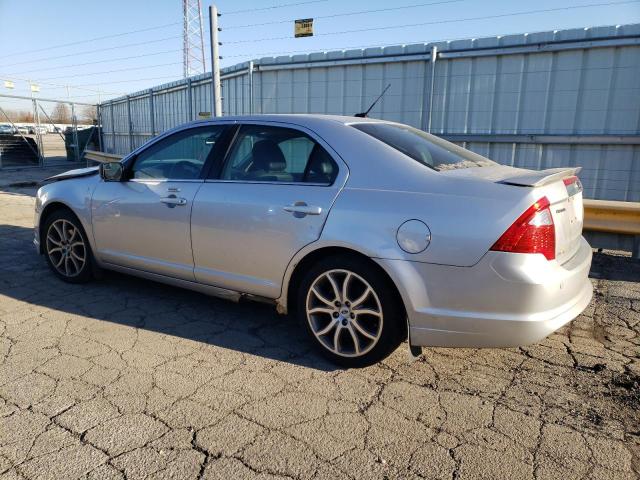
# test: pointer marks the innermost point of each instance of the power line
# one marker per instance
(176, 77)
(98, 61)
(55, 85)
(106, 72)
(360, 12)
(282, 5)
(95, 50)
(157, 27)
(83, 86)
(92, 39)
(72, 97)
(254, 55)
(439, 22)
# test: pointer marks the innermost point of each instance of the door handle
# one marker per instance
(300, 209)
(172, 200)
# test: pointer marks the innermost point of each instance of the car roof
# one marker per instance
(303, 119)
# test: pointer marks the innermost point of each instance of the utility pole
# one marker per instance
(215, 61)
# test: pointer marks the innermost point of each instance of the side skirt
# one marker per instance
(186, 284)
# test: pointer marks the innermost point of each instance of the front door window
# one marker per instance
(178, 157)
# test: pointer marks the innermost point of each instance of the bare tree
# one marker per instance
(61, 113)
(23, 116)
(88, 114)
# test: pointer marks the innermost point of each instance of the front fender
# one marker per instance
(74, 194)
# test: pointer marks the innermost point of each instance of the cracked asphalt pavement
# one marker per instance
(124, 378)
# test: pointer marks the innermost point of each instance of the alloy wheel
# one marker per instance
(344, 313)
(66, 248)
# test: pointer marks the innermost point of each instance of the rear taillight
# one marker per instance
(532, 232)
(573, 185)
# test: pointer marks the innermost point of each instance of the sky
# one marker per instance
(85, 51)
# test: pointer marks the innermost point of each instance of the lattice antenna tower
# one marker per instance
(192, 38)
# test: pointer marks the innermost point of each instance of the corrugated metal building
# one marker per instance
(540, 100)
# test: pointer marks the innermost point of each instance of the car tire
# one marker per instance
(66, 247)
(354, 325)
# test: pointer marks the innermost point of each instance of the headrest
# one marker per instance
(268, 157)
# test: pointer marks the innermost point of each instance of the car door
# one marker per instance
(143, 221)
(269, 198)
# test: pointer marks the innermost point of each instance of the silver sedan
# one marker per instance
(369, 232)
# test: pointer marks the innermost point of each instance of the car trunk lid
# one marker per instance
(568, 216)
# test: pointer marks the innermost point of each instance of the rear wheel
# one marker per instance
(350, 311)
(66, 247)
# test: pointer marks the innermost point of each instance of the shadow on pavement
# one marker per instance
(246, 327)
(607, 266)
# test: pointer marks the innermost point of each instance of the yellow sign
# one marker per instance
(35, 88)
(8, 84)
(304, 27)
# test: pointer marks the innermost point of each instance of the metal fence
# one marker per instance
(541, 100)
(33, 135)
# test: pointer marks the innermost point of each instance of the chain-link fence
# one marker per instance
(37, 132)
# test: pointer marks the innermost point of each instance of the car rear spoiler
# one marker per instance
(542, 177)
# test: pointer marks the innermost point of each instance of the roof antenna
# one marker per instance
(364, 114)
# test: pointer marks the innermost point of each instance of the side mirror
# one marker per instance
(111, 171)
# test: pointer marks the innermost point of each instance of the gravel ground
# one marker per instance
(124, 378)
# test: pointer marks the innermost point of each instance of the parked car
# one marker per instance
(33, 129)
(7, 129)
(367, 231)
(24, 130)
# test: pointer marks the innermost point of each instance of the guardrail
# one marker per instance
(614, 217)
(101, 157)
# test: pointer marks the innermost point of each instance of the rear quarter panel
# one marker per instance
(385, 188)
(465, 219)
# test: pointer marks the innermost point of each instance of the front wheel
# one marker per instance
(350, 311)
(66, 247)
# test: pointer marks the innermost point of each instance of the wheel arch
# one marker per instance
(47, 211)
(286, 303)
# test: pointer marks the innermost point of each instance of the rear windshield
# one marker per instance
(427, 149)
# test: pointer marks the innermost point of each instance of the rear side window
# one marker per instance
(427, 149)
(262, 153)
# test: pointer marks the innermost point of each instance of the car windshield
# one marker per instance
(427, 149)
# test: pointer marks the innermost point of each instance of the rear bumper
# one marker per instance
(496, 331)
(505, 300)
